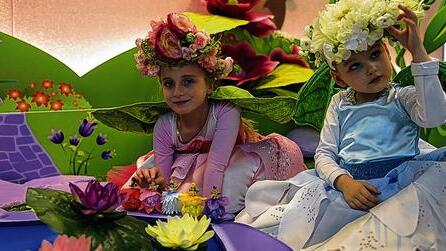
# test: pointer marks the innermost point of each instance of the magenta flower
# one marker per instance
(252, 66)
(279, 55)
(151, 201)
(56, 137)
(97, 198)
(260, 24)
(87, 127)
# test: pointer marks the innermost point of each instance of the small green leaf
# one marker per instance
(435, 35)
(213, 23)
(71, 147)
(283, 92)
(58, 210)
(286, 74)
(80, 153)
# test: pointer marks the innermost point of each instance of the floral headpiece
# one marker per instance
(179, 42)
(351, 26)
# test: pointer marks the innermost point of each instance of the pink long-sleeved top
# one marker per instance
(186, 161)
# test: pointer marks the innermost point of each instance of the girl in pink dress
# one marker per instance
(200, 141)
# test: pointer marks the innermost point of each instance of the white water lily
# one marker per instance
(181, 232)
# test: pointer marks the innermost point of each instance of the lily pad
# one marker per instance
(214, 23)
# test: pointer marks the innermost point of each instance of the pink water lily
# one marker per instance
(252, 66)
(97, 198)
(260, 24)
(65, 243)
(293, 58)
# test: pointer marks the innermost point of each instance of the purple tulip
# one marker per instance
(56, 137)
(101, 139)
(253, 66)
(97, 198)
(107, 155)
(74, 140)
(87, 127)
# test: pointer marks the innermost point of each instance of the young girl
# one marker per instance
(368, 151)
(199, 141)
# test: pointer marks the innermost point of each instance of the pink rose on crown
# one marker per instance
(167, 45)
(201, 40)
(210, 60)
(180, 25)
(156, 26)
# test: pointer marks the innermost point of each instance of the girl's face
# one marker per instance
(185, 88)
(367, 72)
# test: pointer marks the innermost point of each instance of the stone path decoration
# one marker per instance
(22, 158)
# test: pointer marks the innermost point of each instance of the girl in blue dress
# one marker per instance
(368, 162)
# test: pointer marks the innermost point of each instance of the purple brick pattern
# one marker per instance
(21, 156)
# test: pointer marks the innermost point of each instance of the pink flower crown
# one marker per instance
(179, 42)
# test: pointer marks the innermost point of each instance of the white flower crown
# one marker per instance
(351, 26)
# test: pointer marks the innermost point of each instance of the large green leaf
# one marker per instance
(213, 23)
(58, 210)
(286, 74)
(435, 35)
(314, 97)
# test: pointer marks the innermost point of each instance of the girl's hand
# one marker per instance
(410, 37)
(144, 176)
(358, 195)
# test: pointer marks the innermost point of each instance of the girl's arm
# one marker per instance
(326, 156)
(225, 136)
(426, 101)
(162, 147)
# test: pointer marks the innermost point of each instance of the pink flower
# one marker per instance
(156, 26)
(209, 62)
(201, 39)
(151, 200)
(279, 55)
(187, 53)
(225, 65)
(149, 69)
(180, 25)
(167, 45)
(253, 66)
(260, 24)
(65, 243)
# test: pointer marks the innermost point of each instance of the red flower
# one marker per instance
(279, 55)
(23, 106)
(14, 94)
(56, 105)
(32, 85)
(131, 202)
(260, 24)
(47, 84)
(66, 89)
(253, 66)
(53, 94)
(40, 98)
